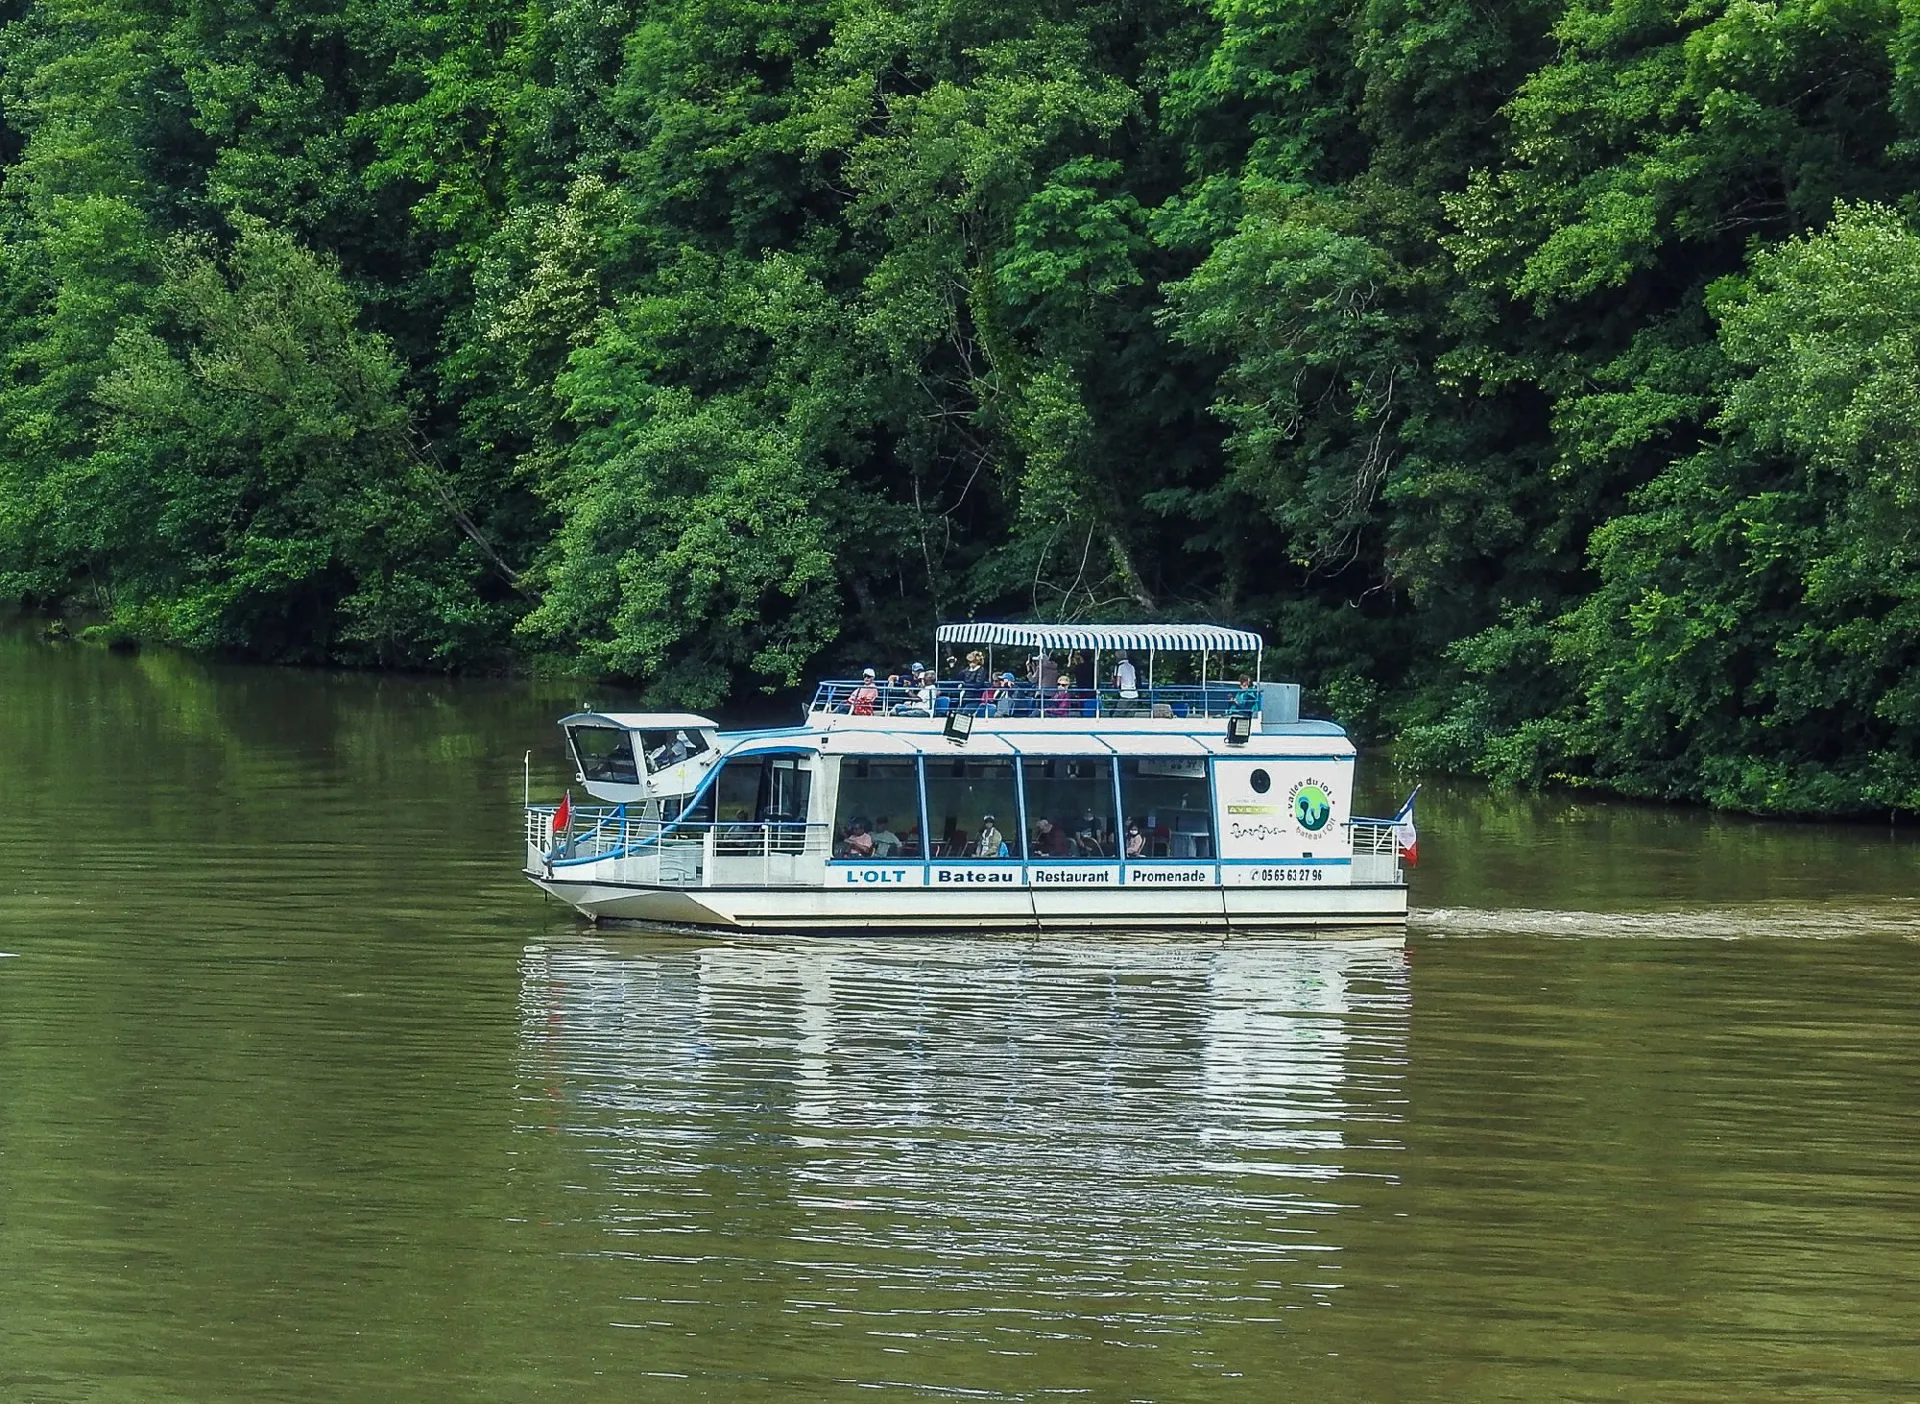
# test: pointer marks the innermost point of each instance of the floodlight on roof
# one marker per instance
(959, 727)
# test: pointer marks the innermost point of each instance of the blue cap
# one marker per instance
(916, 667)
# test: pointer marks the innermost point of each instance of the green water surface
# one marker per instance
(305, 1095)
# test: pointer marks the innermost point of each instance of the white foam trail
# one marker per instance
(1803, 920)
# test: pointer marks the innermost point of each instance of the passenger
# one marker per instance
(1026, 693)
(1136, 841)
(886, 842)
(1061, 703)
(1246, 701)
(1087, 838)
(919, 702)
(1126, 679)
(1048, 841)
(859, 843)
(740, 835)
(991, 844)
(974, 681)
(890, 690)
(1086, 685)
(1009, 696)
(866, 697)
(670, 752)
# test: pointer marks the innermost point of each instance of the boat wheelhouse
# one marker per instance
(957, 805)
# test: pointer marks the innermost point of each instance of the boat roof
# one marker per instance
(645, 721)
(1191, 638)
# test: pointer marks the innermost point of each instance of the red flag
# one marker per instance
(562, 817)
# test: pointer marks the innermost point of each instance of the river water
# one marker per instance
(305, 1095)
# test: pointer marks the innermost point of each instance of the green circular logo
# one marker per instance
(1312, 807)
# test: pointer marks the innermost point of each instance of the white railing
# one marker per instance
(1376, 853)
(611, 846)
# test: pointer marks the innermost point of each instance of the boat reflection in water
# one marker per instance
(988, 1144)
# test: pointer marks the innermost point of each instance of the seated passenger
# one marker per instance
(990, 843)
(1048, 840)
(858, 843)
(920, 701)
(1060, 704)
(670, 752)
(886, 842)
(1005, 696)
(866, 697)
(1136, 840)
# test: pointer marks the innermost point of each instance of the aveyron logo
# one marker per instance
(1312, 806)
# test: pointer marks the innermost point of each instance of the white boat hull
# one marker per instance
(1010, 909)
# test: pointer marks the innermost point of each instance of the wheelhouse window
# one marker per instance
(1168, 802)
(973, 809)
(877, 814)
(668, 748)
(1070, 807)
(604, 753)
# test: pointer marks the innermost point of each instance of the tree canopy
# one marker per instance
(1540, 377)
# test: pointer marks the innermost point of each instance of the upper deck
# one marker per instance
(840, 697)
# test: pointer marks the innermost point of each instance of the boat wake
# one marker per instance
(1802, 920)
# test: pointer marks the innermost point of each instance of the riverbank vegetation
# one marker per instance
(1544, 377)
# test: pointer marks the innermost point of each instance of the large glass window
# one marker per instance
(1169, 807)
(604, 753)
(759, 800)
(878, 811)
(1070, 807)
(972, 809)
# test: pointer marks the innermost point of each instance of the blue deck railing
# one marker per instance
(1189, 700)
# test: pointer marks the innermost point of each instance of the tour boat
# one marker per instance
(951, 805)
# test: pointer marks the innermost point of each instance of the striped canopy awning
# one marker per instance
(1173, 638)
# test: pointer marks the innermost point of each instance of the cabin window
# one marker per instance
(664, 748)
(760, 804)
(969, 801)
(1168, 801)
(878, 811)
(1070, 807)
(736, 791)
(604, 753)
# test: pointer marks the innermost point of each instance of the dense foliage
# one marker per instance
(1545, 377)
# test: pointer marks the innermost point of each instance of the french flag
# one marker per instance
(1404, 834)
